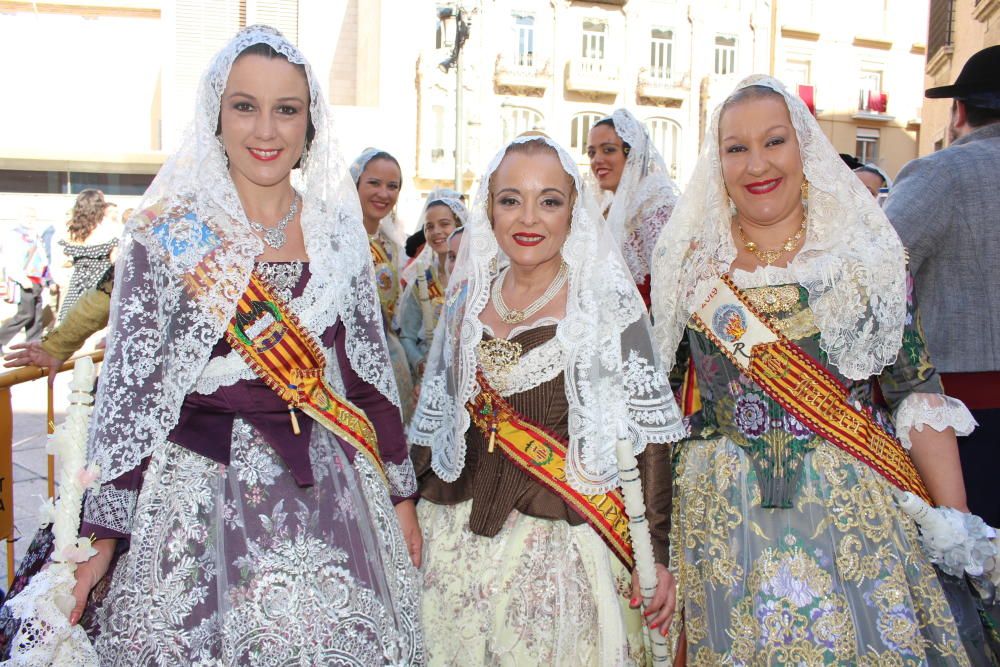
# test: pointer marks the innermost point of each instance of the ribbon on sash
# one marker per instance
(801, 385)
(385, 279)
(288, 359)
(542, 455)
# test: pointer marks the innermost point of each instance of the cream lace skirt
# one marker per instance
(539, 593)
(837, 580)
(238, 565)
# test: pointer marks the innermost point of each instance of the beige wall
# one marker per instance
(975, 28)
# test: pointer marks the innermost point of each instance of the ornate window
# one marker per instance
(518, 120)
(666, 136)
(580, 128)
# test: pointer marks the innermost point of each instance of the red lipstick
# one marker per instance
(763, 187)
(528, 240)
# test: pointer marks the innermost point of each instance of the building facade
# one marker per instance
(108, 85)
(956, 29)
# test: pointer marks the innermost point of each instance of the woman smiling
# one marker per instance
(543, 357)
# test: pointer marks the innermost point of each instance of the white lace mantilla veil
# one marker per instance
(427, 256)
(389, 225)
(645, 187)
(852, 262)
(613, 377)
(192, 227)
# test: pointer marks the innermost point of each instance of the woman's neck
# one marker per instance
(771, 235)
(265, 204)
(371, 224)
(531, 281)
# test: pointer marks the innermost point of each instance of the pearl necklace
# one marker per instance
(275, 236)
(513, 316)
(769, 257)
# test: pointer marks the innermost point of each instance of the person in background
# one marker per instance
(639, 195)
(946, 208)
(90, 246)
(426, 278)
(874, 178)
(378, 177)
(454, 245)
(26, 270)
(88, 316)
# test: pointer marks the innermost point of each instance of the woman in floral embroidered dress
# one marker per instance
(639, 195)
(379, 178)
(788, 549)
(238, 538)
(540, 315)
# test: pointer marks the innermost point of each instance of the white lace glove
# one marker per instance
(957, 542)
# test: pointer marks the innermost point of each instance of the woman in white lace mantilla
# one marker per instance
(789, 540)
(379, 178)
(638, 193)
(426, 278)
(543, 353)
(232, 527)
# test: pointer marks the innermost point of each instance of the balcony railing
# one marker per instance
(656, 85)
(521, 74)
(594, 76)
(873, 105)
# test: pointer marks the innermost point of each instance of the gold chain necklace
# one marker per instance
(514, 316)
(769, 257)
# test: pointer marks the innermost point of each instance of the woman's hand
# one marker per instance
(88, 573)
(406, 512)
(660, 610)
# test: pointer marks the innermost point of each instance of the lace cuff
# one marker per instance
(111, 508)
(935, 410)
(402, 478)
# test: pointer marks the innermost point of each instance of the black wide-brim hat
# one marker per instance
(980, 75)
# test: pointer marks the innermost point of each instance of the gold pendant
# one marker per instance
(512, 316)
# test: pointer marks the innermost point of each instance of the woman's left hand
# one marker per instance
(660, 610)
(406, 512)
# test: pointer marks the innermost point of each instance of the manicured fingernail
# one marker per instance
(664, 630)
(652, 626)
(648, 613)
(634, 602)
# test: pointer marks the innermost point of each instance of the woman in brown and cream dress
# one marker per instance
(542, 359)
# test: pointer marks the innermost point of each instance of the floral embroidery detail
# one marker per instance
(751, 414)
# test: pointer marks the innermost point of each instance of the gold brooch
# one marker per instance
(498, 356)
(771, 300)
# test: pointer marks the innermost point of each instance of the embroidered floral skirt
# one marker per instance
(541, 592)
(838, 579)
(238, 565)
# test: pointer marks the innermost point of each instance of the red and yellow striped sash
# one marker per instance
(542, 455)
(287, 358)
(801, 385)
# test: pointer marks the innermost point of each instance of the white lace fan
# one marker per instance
(45, 636)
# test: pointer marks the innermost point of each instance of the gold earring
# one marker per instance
(805, 189)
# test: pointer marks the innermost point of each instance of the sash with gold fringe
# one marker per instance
(288, 359)
(801, 385)
(542, 455)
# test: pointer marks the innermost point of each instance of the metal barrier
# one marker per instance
(8, 380)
